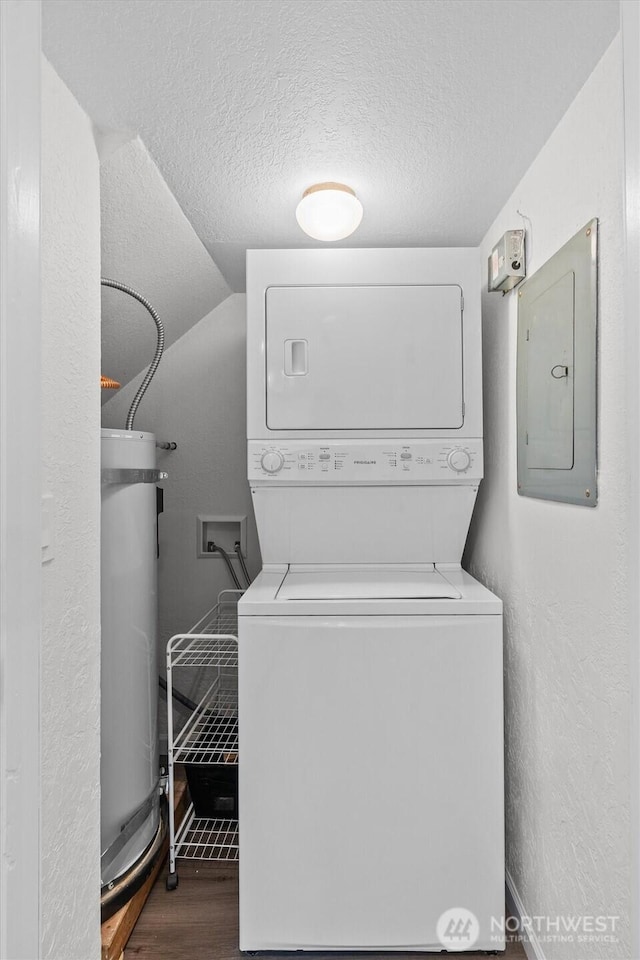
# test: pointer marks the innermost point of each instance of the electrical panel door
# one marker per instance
(557, 374)
(364, 357)
(551, 376)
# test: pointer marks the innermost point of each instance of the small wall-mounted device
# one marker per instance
(507, 266)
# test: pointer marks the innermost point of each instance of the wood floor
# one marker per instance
(199, 920)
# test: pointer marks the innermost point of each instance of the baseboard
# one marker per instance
(516, 908)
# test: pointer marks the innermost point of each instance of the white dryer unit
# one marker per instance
(371, 768)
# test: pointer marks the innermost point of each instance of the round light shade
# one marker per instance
(329, 211)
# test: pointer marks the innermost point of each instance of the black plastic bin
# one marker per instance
(214, 790)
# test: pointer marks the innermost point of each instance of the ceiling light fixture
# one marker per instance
(329, 211)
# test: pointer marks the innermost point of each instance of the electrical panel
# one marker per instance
(507, 262)
(556, 375)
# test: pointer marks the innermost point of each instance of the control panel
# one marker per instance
(355, 461)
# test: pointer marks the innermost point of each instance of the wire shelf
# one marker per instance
(202, 650)
(214, 736)
(201, 839)
(213, 636)
(203, 665)
(223, 616)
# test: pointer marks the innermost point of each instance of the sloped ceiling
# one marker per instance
(431, 109)
(147, 243)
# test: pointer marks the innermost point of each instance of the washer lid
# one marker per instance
(371, 582)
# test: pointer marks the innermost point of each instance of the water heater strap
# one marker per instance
(123, 475)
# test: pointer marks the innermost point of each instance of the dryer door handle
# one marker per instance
(296, 358)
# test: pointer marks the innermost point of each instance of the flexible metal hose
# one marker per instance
(227, 559)
(153, 366)
(243, 565)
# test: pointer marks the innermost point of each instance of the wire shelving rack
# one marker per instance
(204, 660)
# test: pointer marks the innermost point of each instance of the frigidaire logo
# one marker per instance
(365, 462)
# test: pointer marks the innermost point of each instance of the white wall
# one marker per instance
(562, 570)
(70, 718)
(148, 243)
(198, 400)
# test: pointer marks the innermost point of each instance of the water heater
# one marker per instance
(130, 818)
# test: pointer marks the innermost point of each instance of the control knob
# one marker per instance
(272, 461)
(459, 460)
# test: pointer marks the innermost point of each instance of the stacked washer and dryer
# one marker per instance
(370, 663)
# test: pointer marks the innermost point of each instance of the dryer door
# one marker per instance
(364, 357)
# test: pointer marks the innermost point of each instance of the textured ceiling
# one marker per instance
(431, 109)
(147, 243)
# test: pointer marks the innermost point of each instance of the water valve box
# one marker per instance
(507, 262)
